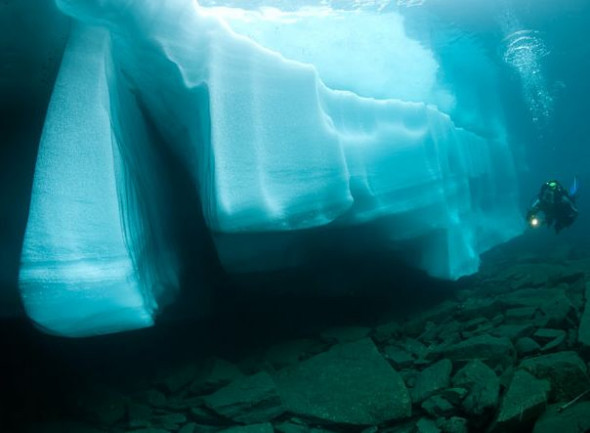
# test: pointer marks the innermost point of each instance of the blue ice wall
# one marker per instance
(274, 144)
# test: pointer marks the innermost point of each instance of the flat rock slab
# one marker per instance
(432, 379)
(495, 350)
(574, 419)
(525, 400)
(251, 399)
(565, 370)
(349, 384)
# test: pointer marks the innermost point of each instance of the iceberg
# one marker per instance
(272, 151)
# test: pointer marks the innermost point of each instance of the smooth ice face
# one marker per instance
(269, 149)
(77, 273)
(361, 51)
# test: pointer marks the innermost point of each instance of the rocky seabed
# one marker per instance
(508, 353)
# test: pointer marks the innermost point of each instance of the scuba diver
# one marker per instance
(554, 205)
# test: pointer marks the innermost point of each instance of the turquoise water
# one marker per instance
(536, 54)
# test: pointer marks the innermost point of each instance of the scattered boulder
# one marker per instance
(574, 419)
(526, 346)
(438, 314)
(550, 339)
(519, 315)
(494, 350)
(524, 401)
(432, 379)
(349, 384)
(386, 332)
(564, 370)
(204, 415)
(513, 331)
(398, 357)
(483, 388)
(558, 312)
(250, 399)
(296, 426)
(454, 424)
(478, 307)
(527, 298)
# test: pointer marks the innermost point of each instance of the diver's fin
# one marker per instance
(574, 187)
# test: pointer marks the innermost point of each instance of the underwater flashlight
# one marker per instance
(534, 221)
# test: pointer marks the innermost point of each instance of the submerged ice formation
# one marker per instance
(147, 88)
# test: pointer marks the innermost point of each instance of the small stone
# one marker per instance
(550, 338)
(483, 388)
(430, 333)
(526, 346)
(513, 331)
(478, 307)
(386, 332)
(398, 357)
(415, 347)
(454, 395)
(454, 424)
(425, 425)
(204, 415)
(438, 314)
(564, 370)
(524, 401)
(494, 350)
(526, 298)
(432, 379)
(249, 400)
(253, 428)
(437, 405)
(558, 312)
(519, 315)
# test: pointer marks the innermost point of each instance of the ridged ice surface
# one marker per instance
(270, 149)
